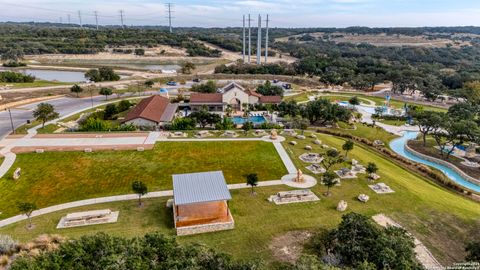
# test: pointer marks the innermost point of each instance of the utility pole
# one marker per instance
(266, 41)
(60, 19)
(121, 18)
(80, 18)
(259, 40)
(96, 18)
(11, 120)
(169, 12)
(243, 44)
(68, 18)
(249, 39)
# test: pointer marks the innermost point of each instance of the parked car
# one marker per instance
(196, 80)
(275, 81)
(287, 86)
(172, 83)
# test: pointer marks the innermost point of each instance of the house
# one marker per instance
(232, 95)
(155, 111)
(200, 203)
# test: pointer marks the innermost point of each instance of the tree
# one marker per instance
(204, 118)
(110, 111)
(247, 126)
(124, 105)
(149, 83)
(371, 169)
(45, 112)
(27, 209)
(225, 124)
(139, 51)
(148, 252)
(105, 91)
(472, 91)
(184, 123)
(76, 89)
(329, 179)
(331, 158)
(102, 74)
(13, 54)
(252, 180)
(347, 147)
(267, 89)
(453, 133)
(300, 123)
(140, 189)
(187, 67)
(429, 122)
(209, 87)
(473, 251)
(354, 101)
(322, 111)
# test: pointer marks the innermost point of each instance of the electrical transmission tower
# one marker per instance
(121, 18)
(96, 18)
(259, 40)
(80, 18)
(266, 40)
(249, 39)
(169, 13)
(243, 43)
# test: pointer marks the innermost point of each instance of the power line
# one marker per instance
(169, 11)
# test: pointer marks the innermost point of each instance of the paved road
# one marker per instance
(63, 106)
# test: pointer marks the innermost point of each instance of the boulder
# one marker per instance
(318, 142)
(308, 147)
(300, 137)
(363, 198)
(293, 143)
(342, 206)
(313, 136)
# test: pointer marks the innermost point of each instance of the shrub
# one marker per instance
(110, 111)
(124, 105)
(7, 244)
(95, 124)
(14, 77)
(185, 123)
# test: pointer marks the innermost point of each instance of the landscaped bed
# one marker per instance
(57, 177)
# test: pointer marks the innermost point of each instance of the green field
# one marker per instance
(57, 177)
(37, 83)
(441, 219)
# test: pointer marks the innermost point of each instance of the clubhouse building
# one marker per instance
(232, 95)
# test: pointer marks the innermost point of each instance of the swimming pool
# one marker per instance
(398, 146)
(256, 120)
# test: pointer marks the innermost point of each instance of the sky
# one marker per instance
(223, 13)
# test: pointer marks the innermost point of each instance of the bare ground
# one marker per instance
(288, 247)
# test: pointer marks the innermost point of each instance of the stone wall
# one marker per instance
(206, 228)
(442, 162)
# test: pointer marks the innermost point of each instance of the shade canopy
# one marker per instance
(201, 187)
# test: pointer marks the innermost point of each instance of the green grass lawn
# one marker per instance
(37, 83)
(363, 131)
(393, 122)
(441, 219)
(58, 177)
(379, 101)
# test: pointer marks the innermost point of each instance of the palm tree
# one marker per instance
(252, 180)
(329, 179)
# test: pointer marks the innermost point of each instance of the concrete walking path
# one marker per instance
(285, 158)
(126, 197)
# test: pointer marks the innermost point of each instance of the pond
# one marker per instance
(56, 75)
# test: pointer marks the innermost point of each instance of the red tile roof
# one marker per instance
(155, 108)
(270, 99)
(206, 98)
(253, 93)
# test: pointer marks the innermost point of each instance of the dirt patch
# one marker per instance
(289, 246)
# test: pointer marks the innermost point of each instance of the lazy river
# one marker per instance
(398, 144)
